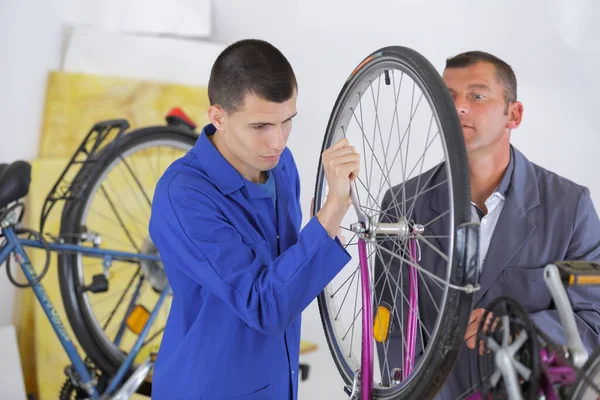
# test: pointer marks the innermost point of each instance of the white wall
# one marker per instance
(11, 380)
(31, 44)
(31, 41)
(552, 45)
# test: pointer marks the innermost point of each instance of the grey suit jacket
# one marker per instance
(545, 218)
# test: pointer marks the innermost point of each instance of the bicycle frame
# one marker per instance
(367, 358)
(367, 321)
(366, 368)
(555, 369)
(16, 245)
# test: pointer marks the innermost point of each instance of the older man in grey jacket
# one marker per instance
(528, 217)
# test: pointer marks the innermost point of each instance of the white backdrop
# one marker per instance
(552, 45)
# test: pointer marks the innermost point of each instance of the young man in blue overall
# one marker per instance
(226, 220)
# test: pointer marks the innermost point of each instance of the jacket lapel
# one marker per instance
(511, 233)
(440, 206)
(514, 227)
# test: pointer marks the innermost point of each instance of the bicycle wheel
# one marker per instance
(115, 206)
(587, 386)
(511, 327)
(413, 193)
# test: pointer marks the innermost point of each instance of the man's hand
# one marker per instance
(473, 327)
(341, 164)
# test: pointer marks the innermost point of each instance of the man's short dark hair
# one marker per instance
(250, 66)
(504, 72)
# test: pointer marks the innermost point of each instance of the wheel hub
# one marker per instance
(402, 229)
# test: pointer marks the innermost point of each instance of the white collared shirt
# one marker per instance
(494, 205)
(488, 222)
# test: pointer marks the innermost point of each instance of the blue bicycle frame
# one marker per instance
(16, 245)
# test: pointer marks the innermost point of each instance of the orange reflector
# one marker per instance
(138, 318)
(381, 325)
(584, 280)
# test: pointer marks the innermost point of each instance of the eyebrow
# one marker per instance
(473, 86)
(270, 123)
(479, 86)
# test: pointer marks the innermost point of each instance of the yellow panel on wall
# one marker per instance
(75, 102)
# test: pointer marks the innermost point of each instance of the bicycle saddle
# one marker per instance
(14, 181)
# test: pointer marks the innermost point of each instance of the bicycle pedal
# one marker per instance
(99, 284)
(579, 272)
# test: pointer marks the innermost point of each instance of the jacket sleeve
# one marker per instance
(192, 234)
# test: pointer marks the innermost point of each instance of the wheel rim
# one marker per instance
(340, 320)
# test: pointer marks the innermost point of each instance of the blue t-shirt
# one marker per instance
(269, 187)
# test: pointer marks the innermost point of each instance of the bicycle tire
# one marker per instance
(437, 365)
(106, 358)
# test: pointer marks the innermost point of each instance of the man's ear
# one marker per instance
(217, 117)
(515, 115)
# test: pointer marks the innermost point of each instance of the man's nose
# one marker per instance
(461, 104)
(276, 139)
